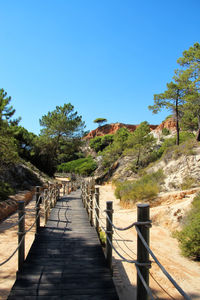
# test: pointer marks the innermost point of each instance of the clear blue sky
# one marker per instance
(106, 57)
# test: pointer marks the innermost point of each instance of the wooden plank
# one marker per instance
(66, 260)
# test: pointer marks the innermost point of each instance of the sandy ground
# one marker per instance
(183, 270)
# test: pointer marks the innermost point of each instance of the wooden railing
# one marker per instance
(90, 198)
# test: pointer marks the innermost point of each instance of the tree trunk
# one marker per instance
(198, 133)
(138, 159)
(177, 122)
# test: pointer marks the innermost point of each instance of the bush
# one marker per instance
(102, 237)
(169, 149)
(145, 188)
(189, 237)
(188, 182)
(82, 166)
(5, 190)
(165, 131)
(101, 142)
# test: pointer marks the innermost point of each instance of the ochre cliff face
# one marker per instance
(170, 124)
(112, 129)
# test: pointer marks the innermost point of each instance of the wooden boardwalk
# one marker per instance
(66, 260)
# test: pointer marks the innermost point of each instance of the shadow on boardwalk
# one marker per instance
(66, 260)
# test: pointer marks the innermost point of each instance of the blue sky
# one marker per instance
(106, 57)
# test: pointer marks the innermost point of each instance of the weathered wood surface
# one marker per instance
(66, 260)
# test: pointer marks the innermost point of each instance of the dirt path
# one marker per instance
(184, 271)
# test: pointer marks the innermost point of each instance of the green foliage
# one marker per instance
(8, 151)
(189, 237)
(144, 189)
(60, 137)
(100, 142)
(169, 149)
(102, 237)
(63, 121)
(25, 141)
(139, 145)
(165, 131)
(188, 182)
(100, 121)
(112, 152)
(82, 166)
(5, 190)
(190, 75)
(173, 99)
(6, 112)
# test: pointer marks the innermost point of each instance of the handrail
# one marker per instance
(52, 194)
(86, 189)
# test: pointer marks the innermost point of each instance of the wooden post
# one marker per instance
(64, 188)
(87, 198)
(37, 215)
(109, 233)
(45, 206)
(91, 208)
(58, 191)
(82, 191)
(84, 194)
(50, 195)
(70, 187)
(97, 209)
(142, 253)
(55, 194)
(21, 233)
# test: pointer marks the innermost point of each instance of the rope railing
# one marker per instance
(48, 198)
(90, 199)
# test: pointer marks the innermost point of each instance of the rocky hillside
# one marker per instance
(22, 178)
(112, 128)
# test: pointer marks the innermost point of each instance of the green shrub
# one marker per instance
(82, 166)
(189, 237)
(165, 131)
(101, 142)
(143, 189)
(114, 150)
(102, 237)
(169, 150)
(188, 182)
(5, 190)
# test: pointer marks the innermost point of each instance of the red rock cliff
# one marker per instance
(170, 124)
(111, 129)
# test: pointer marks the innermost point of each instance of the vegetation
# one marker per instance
(169, 149)
(82, 166)
(100, 142)
(59, 141)
(62, 130)
(171, 99)
(100, 121)
(188, 237)
(112, 152)
(139, 145)
(144, 189)
(165, 131)
(5, 190)
(188, 182)
(102, 237)
(190, 75)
